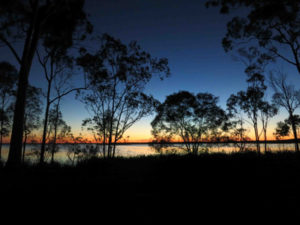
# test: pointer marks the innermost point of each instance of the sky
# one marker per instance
(185, 32)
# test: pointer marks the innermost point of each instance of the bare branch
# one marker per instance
(8, 44)
(66, 93)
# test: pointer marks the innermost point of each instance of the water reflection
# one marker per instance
(64, 155)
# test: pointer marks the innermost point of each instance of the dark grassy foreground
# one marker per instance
(158, 189)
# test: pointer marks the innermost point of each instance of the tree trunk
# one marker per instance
(1, 145)
(295, 134)
(42, 156)
(24, 148)
(104, 142)
(265, 136)
(257, 138)
(112, 119)
(1, 126)
(55, 131)
(114, 150)
(15, 150)
(1, 137)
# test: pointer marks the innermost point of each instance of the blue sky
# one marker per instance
(185, 32)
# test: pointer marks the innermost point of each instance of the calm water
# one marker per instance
(64, 155)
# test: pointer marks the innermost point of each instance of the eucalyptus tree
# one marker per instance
(33, 111)
(27, 23)
(188, 116)
(270, 26)
(295, 119)
(117, 75)
(8, 75)
(250, 102)
(57, 130)
(288, 97)
(237, 120)
(62, 88)
(282, 130)
(267, 111)
(58, 70)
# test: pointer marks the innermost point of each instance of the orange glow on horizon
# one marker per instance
(88, 138)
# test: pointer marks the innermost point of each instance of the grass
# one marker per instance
(172, 187)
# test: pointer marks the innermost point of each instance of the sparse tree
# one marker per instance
(80, 149)
(57, 130)
(75, 148)
(240, 137)
(237, 128)
(250, 102)
(288, 97)
(117, 75)
(282, 130)
(33, 112)
(58, 72)
(271, 26)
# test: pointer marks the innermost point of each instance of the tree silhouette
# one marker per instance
(295, 119)
(288, 97)
(250, 102)
(282, 130)
(51, 22)
(267, 111)
(8, 75)
(191, 117)
(117, 75)
(58, 71)
(33, 112)
(57, 130)
(237, 122)
(78, 149)
(273, 26)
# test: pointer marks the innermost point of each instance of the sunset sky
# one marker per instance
(186, 33)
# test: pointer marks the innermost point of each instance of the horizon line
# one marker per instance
(180, 142)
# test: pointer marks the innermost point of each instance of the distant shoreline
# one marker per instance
(287, 141)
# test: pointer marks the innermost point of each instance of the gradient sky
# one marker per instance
(186, 33)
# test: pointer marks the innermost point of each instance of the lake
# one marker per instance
(133, 150)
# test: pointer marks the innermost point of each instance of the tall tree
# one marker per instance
(33, 112)
(238, 129)
(267, 111)
(53, 22)
(273, 26)
(117, 75)
(8, 75)
(58, 70)
(188, 116)
(250, 102)
(288, 97)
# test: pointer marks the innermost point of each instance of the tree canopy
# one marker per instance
(271, 25)
(188, 116)
(117, 75)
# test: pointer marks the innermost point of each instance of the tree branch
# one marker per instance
(282, 57)
(11, 48)
(65, 93)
